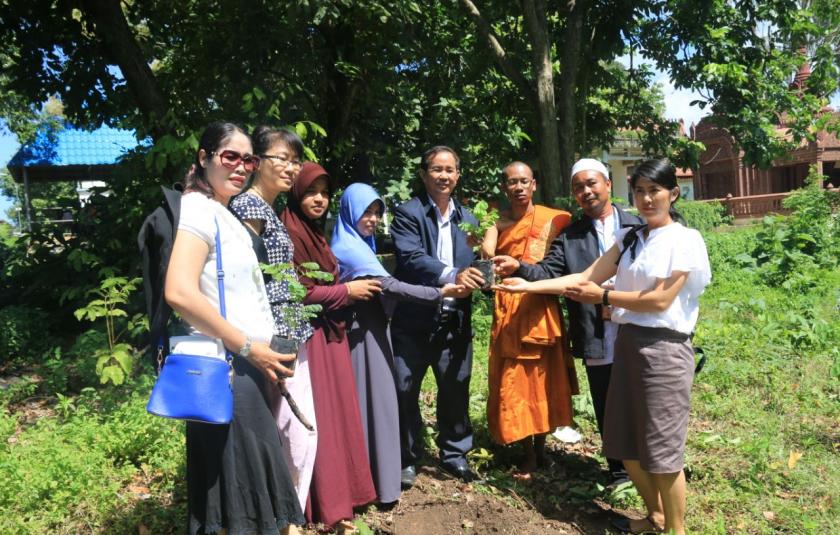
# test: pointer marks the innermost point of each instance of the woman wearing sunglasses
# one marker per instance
(237, 478)
(280, 151)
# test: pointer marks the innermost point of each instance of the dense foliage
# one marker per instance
(374, 82)
(368, 85)
(789, 250)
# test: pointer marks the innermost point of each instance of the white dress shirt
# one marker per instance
(605, 231)
(666, 249)
(445, 251)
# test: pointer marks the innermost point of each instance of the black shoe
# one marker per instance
(407, 477)
(461, 470)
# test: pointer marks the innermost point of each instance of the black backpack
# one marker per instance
(155, 239)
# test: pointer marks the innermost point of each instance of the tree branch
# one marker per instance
(499, 54)
(121, 45)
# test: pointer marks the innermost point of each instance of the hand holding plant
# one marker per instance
(288, 273)
(486, 217)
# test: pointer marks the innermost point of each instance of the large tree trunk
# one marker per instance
(553, 166)
(569, 67)
(121, 45)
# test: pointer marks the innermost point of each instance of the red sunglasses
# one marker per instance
(230, 159)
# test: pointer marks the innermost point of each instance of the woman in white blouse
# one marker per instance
(661, 269)
(237, 478)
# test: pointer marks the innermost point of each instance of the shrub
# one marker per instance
(790, 248)
(22, 332)
(703, 216)
(568, 204)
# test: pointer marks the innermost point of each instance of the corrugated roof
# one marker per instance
(71, 146)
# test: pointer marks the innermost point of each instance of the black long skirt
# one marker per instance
(237, 477)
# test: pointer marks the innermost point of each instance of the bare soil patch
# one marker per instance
(439, 504)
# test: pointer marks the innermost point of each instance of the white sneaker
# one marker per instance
(566, 434)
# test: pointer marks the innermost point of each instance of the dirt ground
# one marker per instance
(439, 504)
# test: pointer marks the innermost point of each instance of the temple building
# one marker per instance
(751, 191)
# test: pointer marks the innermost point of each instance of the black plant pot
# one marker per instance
(486, 269)
(287, 346)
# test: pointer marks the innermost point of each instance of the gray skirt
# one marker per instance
(646, 417)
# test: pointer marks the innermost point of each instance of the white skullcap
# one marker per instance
(590, 164)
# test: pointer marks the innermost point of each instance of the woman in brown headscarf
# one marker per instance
(341, 479)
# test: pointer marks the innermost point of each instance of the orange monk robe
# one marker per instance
(531, 372)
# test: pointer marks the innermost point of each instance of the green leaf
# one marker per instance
(124, 359)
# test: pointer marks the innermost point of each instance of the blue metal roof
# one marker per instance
(71, 146)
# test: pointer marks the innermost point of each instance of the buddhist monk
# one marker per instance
(531, 373)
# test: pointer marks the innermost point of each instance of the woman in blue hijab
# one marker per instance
(360, 211)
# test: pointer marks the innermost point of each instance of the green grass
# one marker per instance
(769, 393)
(101, 465)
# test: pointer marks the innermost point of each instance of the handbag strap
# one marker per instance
(220, 277)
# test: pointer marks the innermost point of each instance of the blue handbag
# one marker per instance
(196, 387)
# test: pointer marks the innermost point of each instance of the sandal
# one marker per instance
(525, 477)
(346, 527)
(623, 525)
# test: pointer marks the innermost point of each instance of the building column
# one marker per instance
(27, 208)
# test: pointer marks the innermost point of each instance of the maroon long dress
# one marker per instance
(341, 477)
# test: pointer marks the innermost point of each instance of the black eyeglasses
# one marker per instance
(285, 161)
(230, 159)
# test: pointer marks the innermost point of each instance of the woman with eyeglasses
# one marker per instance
(237, 478)
(341, 478)
(661, 269)
(280, 151)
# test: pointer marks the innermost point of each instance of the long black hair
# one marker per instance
(662, 172)
(214, 136)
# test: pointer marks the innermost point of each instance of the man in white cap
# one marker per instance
(592, 334)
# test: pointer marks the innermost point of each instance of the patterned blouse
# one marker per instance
(288, 315)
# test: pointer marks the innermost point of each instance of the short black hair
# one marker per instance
(434, 151)
(513, 163)
(265, 136)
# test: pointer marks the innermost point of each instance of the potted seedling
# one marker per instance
(289, 273)
(486, 217)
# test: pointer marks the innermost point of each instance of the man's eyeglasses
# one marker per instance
(230, 159)
(285, 161)
(512, 182)
(438, 170)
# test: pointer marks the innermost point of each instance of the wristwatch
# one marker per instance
(245, 350)
(605, 299)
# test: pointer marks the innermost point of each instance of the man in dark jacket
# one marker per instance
(592, 334)
(431, 250)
